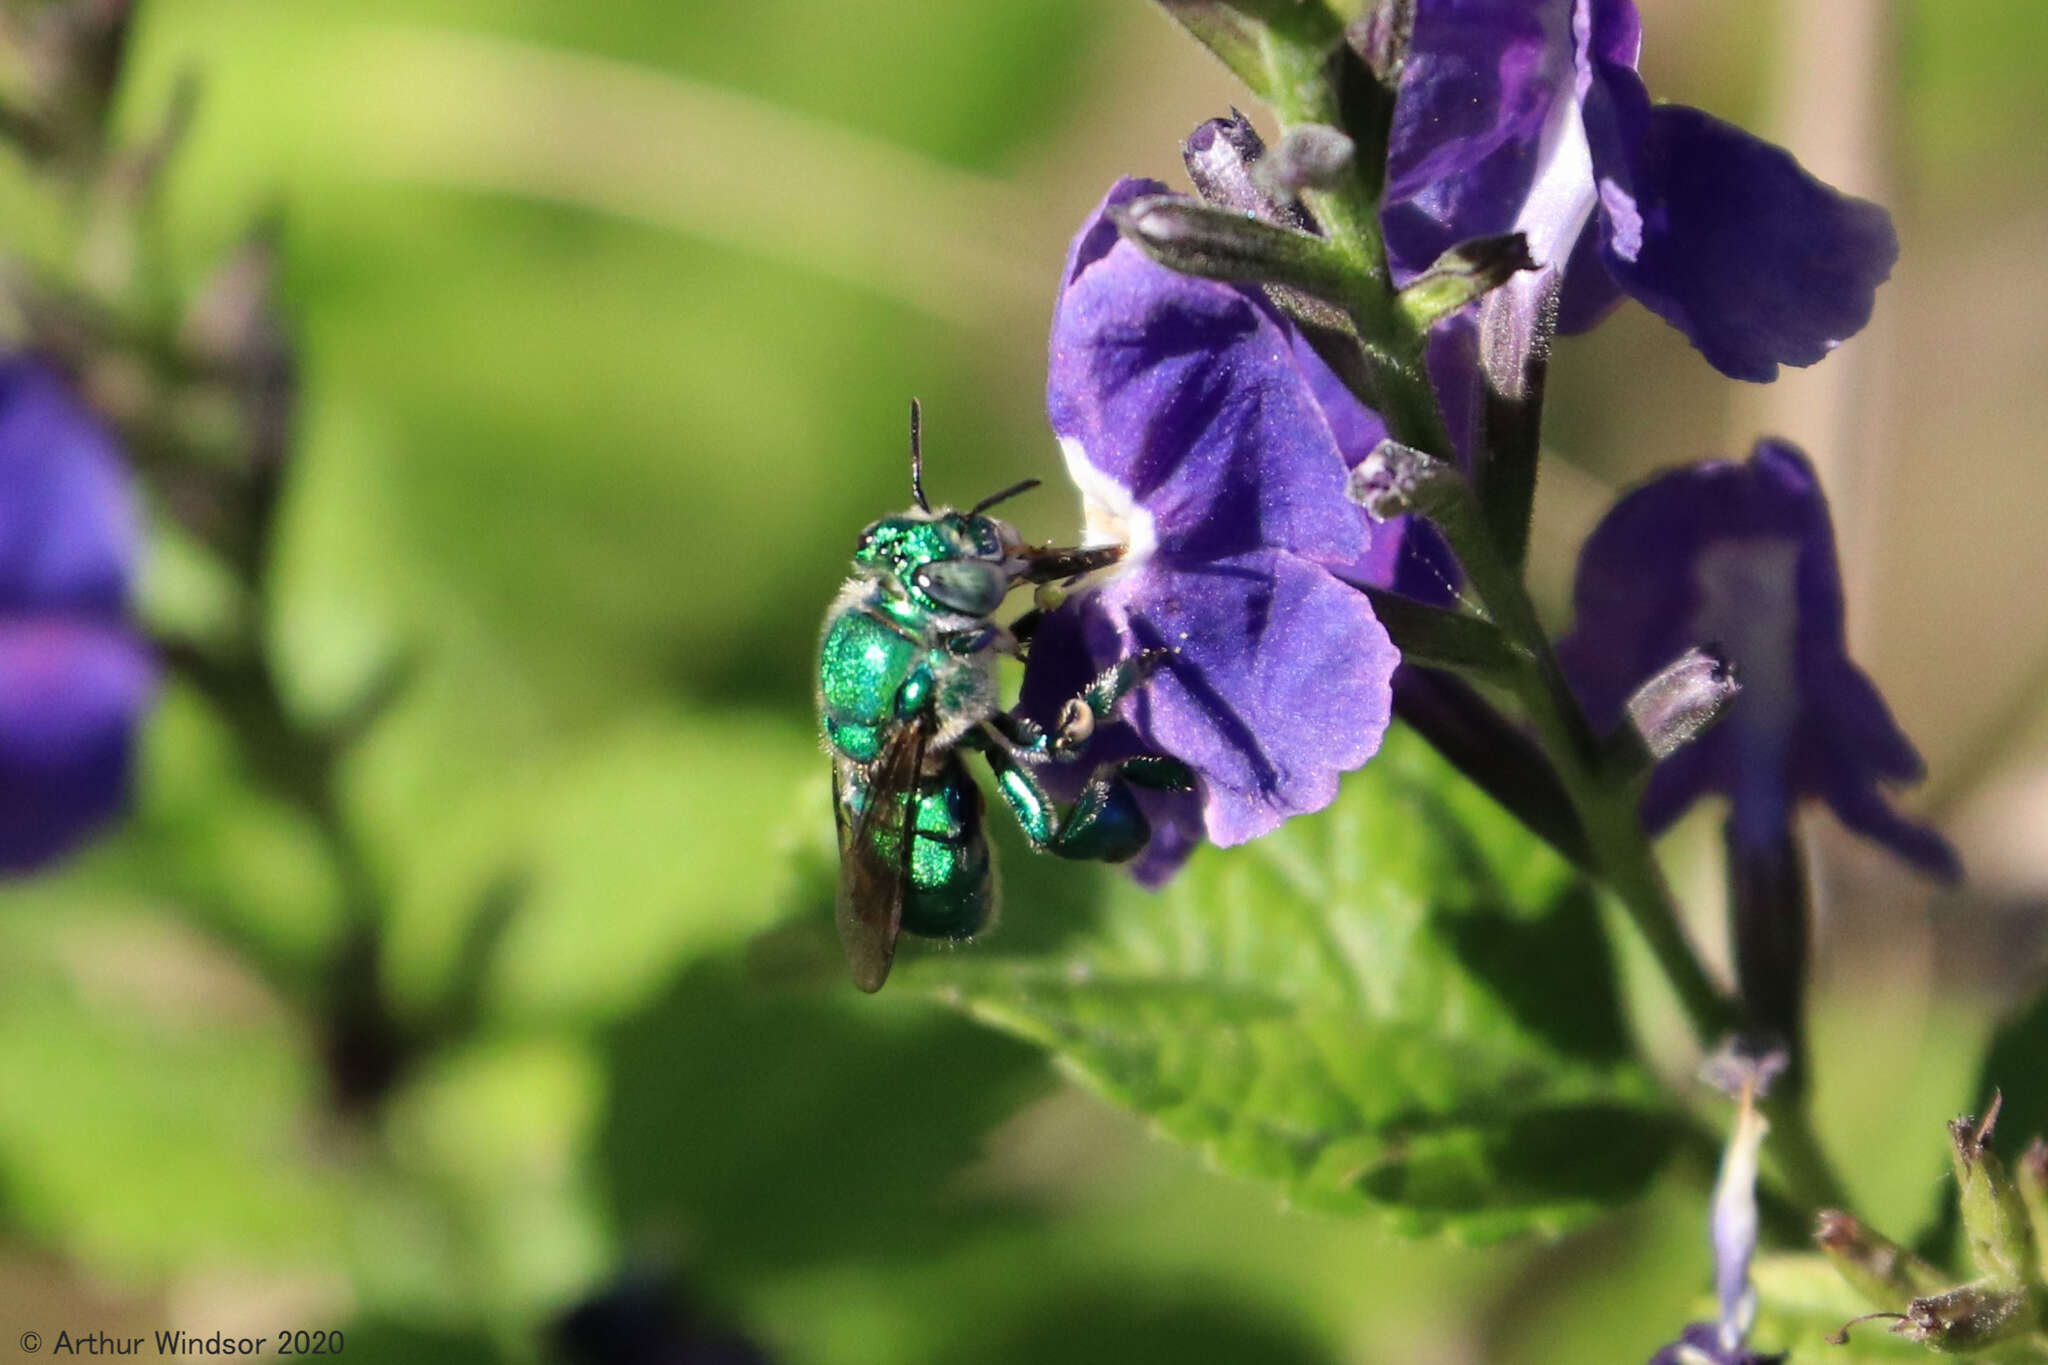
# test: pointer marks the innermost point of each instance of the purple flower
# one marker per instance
(1205, 435)
(1529, 115)
(1741, 558)
(1746, 1073)
(1701, 1344)
(74, 678)
(640, 1319)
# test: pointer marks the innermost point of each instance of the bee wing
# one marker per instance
(874, 854)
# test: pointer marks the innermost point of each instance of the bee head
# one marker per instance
(945, 561)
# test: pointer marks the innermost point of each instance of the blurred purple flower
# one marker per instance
(74, 677)
(1740, 558)
(1701, 1344)
(1206, 436)
(1746, 1073)
(642, 1320)
(1529, 115)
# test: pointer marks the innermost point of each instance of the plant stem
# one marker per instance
(1619, 849)
(1606, 807)
(1302, 89)
(1303, 67)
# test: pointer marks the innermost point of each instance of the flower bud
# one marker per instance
(64, 61)
(1876, 1267)
(1226, 159)
(1200, 239)
(1396, 479)
(1466, 272)
(1311, 156)
(1677, 705)
(1967, 1318)
(232, 330)
(2000, 1235)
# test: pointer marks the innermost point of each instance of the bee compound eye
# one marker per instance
(968, 586)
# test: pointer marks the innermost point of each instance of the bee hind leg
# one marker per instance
(1104, 824)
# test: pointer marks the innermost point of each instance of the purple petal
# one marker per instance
(1487, 135)
(1527, 114)
(70, 697)
(1404, 554)
(1176, 833)
(1355, 427)
(1741, 557)
(1590, 294)
(1476, 89)
(1730, 240)
(68, 525)
(1280, 682)
(1185, 394)
(1701, 1342)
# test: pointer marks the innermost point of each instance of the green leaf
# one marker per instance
(1403, 1004)
(786, 1129)
(154, 1100)
(635, 851)
(1241, 32)
(1228, 32)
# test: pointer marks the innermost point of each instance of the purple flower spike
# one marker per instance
(1741, 558)
(1205, 437)
(74, 678)
(1521, 115)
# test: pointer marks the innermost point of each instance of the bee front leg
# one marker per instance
(1096, 703)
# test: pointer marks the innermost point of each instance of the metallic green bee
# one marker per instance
(907, 681)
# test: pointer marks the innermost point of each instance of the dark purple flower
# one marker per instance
(1741, 558)
(1529, 115)
(1206, 436)
(74, 678)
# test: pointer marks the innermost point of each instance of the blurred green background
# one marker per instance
(608, 316)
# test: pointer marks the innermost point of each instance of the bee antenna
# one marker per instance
(1025, 486)
(917, 455)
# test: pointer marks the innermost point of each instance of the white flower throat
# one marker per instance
(1110, 514)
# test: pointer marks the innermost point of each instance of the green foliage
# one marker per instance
(1404, 1004)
